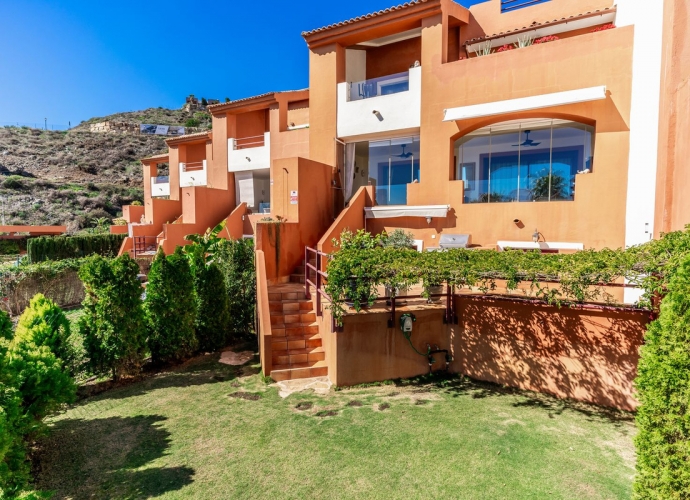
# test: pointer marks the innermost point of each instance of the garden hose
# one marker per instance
(408, 336)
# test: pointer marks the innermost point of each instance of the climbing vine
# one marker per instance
(363, 264)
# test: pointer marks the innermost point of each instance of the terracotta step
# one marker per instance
(299, 370)
(277, 296)
(290, 319)
(297, 278)
(286, 306)
(292, 343)
(293, 356)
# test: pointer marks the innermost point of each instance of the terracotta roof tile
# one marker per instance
(536, 25)
(213, 106)
(366, 16)
(155, 157)
(188, 136)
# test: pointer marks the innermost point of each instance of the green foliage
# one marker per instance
(14, 466)
(14, 182)
(192, 122)
(663, 385)
(399, 239)
(236, 261)
(43, 323)
(71, 247)
(136, 203)
(205, 245)
(171, 308)
(362, 264)
(213, 313)
(9, 247)
(5, 328)
(39, 376)
(112, 324)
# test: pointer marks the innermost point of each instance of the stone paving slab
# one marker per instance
(320, 385)
(236, 358)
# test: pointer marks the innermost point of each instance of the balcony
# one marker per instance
(160, 186)
(249, 153)
(193, 174)
(385, 85)
(380, 105)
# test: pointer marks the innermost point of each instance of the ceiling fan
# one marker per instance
(528, 142)
(404, 154)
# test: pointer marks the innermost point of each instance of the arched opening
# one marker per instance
(523, 160)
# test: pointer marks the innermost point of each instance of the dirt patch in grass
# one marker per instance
(304, 405)
(326, 413)
(420, 402)
(393, 394)
(355, 403)
(384, 406)
(248, 396)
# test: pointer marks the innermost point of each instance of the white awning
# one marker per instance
(390, 211)
(525, 103)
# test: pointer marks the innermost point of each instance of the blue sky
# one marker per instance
(70, 60)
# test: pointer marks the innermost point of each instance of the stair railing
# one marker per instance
(319, 277)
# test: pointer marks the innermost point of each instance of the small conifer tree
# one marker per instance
(45, 324)
(663, 385)
(171, 308)
(113, 325)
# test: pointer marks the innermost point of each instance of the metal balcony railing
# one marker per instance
(385, 85)
(255, 141)
(192, 166)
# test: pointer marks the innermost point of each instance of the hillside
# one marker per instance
(70, 177)
(74, 177)
(156, 116)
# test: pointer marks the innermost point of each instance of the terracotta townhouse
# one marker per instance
(556, 125)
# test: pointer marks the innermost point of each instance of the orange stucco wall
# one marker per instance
(581, 354)
(307, 217)
(393, 58)
(351, 219)
(288, 143)
(252, 123)
(541, 69)
(326, 70)
(535, 70)
(133, 213)
(673, 176)
(263, 313)
(486, 17)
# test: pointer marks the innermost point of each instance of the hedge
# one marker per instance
(71, 247)
(58, 281)
(663, 385)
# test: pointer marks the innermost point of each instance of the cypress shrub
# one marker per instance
(213, 315)
(112, 324)
(663, 385)
(14, 466)
(71, 247)
(171, 308)
(45, 324)
(5, 328)
(236, 261)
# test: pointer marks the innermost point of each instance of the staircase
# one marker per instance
(297, 347)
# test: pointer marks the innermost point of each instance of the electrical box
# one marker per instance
(406, 321)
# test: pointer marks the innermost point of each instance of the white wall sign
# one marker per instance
(293, 197)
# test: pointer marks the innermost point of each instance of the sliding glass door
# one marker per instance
(388, 165)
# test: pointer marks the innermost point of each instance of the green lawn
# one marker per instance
(179, 435)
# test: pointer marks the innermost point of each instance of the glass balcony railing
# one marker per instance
(385, 85)
(161, 179)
